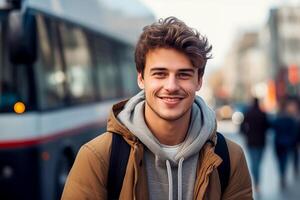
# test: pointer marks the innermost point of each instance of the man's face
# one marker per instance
(170, 82)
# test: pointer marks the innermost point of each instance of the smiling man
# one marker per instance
(170, 132)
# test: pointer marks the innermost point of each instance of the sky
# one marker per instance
(220, 20)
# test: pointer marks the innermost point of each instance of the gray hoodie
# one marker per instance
(172, 176)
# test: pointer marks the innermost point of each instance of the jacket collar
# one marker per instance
(115, 126)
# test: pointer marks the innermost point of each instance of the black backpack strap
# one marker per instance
(221, 150)
(117, 166)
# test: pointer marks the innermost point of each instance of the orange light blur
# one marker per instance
(19, 107)
(293, 75)
(270, 100)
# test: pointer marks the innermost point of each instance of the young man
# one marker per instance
(171, 132)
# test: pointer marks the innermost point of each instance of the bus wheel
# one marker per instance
(63, 167)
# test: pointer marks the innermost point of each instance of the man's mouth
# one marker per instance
(171, 100)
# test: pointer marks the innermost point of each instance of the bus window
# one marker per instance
(78, 64)
(107, 69)
(128, 71)
(50, 73)
(14, 79)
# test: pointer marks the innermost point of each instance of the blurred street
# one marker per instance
(269, 189)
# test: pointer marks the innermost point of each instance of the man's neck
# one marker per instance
(168, 132)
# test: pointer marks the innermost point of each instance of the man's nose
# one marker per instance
(171, 84)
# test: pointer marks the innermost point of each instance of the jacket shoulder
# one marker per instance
(100, 145)
(236, 154)
(234, 149)
(239, 185)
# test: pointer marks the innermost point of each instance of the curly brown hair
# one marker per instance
(173, 33)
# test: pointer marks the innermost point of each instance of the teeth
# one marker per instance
(172, 99)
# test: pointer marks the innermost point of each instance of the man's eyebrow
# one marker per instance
(158, 69)
(187, 70)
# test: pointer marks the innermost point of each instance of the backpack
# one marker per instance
(119, 157)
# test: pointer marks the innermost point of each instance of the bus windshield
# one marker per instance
(14, 84)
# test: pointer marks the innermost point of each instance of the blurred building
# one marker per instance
(284, 49)
(264, 63)
(245, 69)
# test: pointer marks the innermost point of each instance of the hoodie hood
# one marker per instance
(202, 127)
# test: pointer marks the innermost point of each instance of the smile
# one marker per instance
(171, 100)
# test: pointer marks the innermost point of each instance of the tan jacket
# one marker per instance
(88, 176)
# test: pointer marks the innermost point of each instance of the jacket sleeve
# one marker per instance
(239, 185)
(87, 178)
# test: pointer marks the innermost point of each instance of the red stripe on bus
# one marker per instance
(50, 137)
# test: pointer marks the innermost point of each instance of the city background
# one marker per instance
(64, 63)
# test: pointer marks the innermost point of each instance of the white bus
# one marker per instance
(62, 65)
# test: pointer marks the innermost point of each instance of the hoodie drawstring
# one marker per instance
(180, 178)
(170, 179)
(169, 170)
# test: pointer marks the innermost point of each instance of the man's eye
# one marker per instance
(159, 74)
(184, 75)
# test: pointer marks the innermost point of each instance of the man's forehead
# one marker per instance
(167, 59)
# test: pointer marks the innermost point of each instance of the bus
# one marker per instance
(63, 64)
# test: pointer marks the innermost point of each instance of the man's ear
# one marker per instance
(199, 84)
(140, 80)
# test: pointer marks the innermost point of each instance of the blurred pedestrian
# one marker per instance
(254, 127)
(297, 146)
(296, 150)
(293, 109)
(285, 130)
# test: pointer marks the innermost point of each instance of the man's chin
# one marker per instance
(171, 117)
